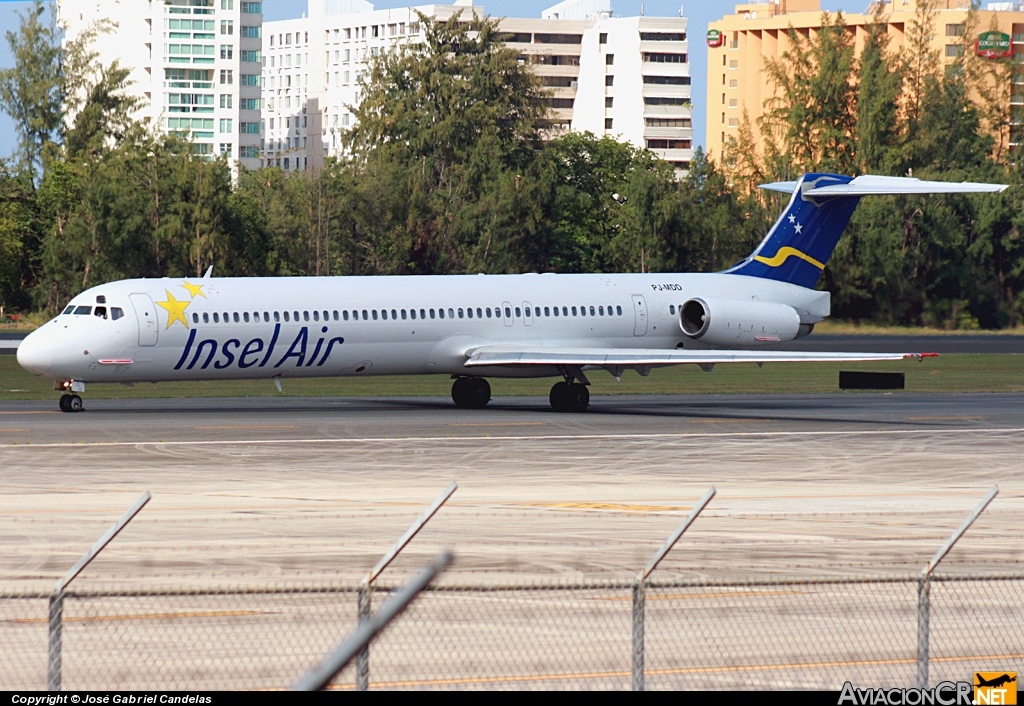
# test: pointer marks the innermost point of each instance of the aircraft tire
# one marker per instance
(471, 393)
(75, 403)
(64, 399)
(578, 398)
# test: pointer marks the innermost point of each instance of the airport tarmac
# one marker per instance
(257, 490)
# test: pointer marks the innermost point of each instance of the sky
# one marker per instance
(699, 13)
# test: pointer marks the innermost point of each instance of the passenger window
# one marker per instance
(469, 312)
(600, 310)
(451, 313)
(488, 310)
(528, 312)
(344, 314)
(277, 316)
(403, 314)
(83, 311)
(235, 317)
(440, 312)
(373, 312)
(460, 312)
(672, 308)
(295, 315)
(336, 315)
(305, 316)
(101, 311)
(412, 313)
(195, 318)
(479, 313)
(508, 313)
(565, 311)
(618, 310)
(554, 310)
(245, 316)
(384, 314)
(316, 316)
(547, 311)
(592, 312)
(574, 311)
(69, 309)
(423, 313)
(431, 313)
(216, 318)
(394, 315)
(366, 315)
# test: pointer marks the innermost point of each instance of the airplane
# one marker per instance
(995, 682)
(469, 326)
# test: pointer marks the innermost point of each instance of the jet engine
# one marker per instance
(734, 323)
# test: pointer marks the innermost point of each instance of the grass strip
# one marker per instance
(948, 373)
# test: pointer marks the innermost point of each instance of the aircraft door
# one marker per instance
(527, 314)
(506, 310)
(640, 312)
(145, 314)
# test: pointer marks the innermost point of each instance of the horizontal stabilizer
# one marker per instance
(870, 185)
(624, 357)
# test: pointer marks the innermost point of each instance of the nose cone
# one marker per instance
(35, 353)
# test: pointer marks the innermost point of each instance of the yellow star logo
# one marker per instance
(175, 309)
(193, 289)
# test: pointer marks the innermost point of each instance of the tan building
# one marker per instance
(739, 43)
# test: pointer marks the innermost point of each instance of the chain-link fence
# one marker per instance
(701, 635)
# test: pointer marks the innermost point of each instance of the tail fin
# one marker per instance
(802, 240)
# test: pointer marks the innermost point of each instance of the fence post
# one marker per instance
(366, 590)
(54, 653)
(638, 635)
(56, 622)
(640, 590)
(924, 588)
(363, 658)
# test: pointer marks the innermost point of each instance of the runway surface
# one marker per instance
(249, 490)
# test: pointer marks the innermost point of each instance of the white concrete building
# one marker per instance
(312, 66)
(196, 64)
(634, 84)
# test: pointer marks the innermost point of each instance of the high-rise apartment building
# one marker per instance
(739, 43)
(196, 65)
(312, 67)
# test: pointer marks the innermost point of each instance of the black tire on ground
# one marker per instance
(64, 399)
(559, 397)
(578, 398)
(75, 403)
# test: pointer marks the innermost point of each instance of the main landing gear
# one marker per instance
(70, 403)
(471, 393)
(571, 395)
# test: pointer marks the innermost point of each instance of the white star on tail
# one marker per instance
(792, 218)
(797, 228)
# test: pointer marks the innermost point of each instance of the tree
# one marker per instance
(32, 91)
(878, 96)
(812, 112)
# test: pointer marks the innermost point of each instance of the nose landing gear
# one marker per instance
(71, 403)
(471, 393)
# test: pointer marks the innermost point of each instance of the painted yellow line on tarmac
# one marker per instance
(498, 424)
(11, 430)
(663, 672)
(146, 616)
(252, 426)
(741, 594)
(727, 421)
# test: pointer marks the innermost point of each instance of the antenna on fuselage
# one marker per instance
(209, 272)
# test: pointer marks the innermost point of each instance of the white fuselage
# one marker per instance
(237, 328)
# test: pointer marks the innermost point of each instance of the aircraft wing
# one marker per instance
(626, 357)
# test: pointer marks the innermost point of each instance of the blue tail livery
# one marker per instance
(803, 238)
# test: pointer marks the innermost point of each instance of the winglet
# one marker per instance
(209, 272)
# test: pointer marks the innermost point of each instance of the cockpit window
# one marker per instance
(83, 311)
(101, 311)
(69, 309)
(116, 312)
